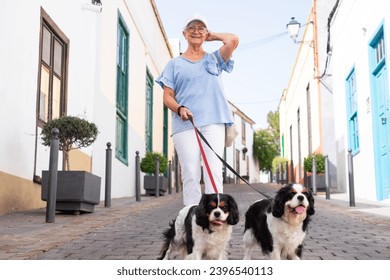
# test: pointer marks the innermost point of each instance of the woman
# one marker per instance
(192, 88)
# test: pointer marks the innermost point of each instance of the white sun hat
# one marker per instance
(196, 17)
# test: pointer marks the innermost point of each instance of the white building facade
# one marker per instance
(360, 39)
(240, 155)
(341, 109)
(75, 58)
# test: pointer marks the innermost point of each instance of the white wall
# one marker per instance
(356, 23)
(91, 81)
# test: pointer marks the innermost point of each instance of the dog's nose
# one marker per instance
(217, 214)
(300, 197)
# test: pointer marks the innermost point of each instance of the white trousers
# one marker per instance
(189, 155)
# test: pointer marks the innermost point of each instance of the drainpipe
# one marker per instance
(316, 70)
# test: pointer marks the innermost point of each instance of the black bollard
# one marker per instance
(157, 176)
(287, 178)
(351, 180)
(107, 197)
(327, 178)
(314, 176)
(137, 177)
(176, 172)
(53, 177)
(169, 177)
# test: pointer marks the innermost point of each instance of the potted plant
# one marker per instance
(148, 166)
(77, 191)
(320, 170)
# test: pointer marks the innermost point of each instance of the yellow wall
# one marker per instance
(80, 161)
(18, 194)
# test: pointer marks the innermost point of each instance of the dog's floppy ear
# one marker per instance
(234, 215)
(200, 213)
(310, 210)
(278, 203)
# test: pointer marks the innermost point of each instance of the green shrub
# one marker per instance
(277, 162)
(74, 133)
(320, 163)
(148, 163)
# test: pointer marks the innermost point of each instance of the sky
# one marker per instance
(265, 57)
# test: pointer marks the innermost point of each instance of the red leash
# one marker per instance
(204, 157)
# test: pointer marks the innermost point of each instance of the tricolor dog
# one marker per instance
(202, 231)
(279, 225)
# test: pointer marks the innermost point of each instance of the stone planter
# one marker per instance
(320, 182)
(77, 191)
(150, 184)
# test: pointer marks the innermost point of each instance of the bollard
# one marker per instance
(351, 180)
(292, 172)
(107, 196)
(137, 177)
(169, 177)
(287, 172)
(53, 177)
(156, 175)
(327, 179)
(176, 172)
(314, 176)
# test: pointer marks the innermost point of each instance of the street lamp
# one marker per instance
(293, 28)
(94, 6)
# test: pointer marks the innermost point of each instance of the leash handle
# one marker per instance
(206, 163)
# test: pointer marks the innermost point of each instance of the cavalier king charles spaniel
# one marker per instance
(202, 231)
(279, 225)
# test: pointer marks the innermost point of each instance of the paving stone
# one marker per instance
(131, 230)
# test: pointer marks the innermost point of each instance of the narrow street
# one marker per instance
(132, 230)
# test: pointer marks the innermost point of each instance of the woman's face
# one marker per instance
(195, 32)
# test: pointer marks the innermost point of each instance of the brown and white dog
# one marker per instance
(279, 225)
(202, 231)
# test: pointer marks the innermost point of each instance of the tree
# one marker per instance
(75, 133)
(265, 148)
(273, 121)
(266, 142)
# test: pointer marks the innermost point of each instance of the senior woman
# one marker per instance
(192, 88)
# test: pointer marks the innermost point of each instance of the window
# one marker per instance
(380, 51)
(352, 113)
(52, 71)
(121, 150)
(237, 159)
(243, 132)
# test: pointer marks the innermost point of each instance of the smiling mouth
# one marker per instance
(217, 223)
(300, 209)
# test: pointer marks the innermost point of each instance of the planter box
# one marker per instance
(77, 191)
(150, 184)
(320, 182)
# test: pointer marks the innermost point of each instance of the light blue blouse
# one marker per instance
(198, 86)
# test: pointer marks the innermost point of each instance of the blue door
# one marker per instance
(380, 115)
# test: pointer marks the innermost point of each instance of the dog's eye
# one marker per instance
(213, 204)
